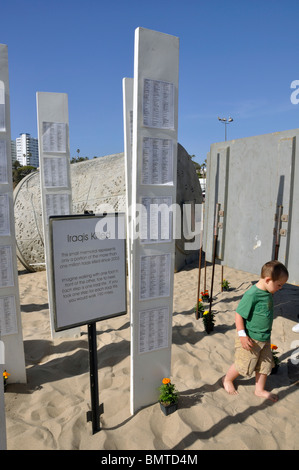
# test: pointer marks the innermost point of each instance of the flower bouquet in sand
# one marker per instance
(208, 320)
(205, 296)
(5, 377)
(225, 284)
(199, 307)
(168, 398)
(275, 358)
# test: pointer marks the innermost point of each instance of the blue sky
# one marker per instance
(237, 58)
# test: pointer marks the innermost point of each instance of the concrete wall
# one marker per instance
(253, 179)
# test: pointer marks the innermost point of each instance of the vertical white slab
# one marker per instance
(55, 181)
(10, 314)
(128, 84)
(154, 161)
(2, 414)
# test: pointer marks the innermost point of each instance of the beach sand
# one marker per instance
(49, 412)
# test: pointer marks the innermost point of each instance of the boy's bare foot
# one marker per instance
(264, 394)
(228, 385)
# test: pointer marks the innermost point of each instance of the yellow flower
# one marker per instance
(166, 381)
(206, 312)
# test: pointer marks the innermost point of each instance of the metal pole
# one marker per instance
(198, 285)
(214, 253)
(277, 235)
(94, 414)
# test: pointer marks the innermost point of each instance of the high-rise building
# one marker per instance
(13, 150)
(27, 150)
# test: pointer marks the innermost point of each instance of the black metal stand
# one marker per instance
(214, 253)
(96, 408)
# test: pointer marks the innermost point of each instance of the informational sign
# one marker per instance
(6, 268)
(158, 104)
(153, 329)
(88, 268)
(4, 215)
(156, 219)
(8, 315)
(2, 107)
(3, 162)
(154, 276)
(55, 172)
(54, 137)
(157, 161)
(57, 204)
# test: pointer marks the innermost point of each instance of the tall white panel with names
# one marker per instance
(55, 182)
(10, 315)
(12, 358)
(154, 162)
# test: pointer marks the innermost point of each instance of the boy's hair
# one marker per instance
(275, 270)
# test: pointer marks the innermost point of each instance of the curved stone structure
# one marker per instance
(97, 185)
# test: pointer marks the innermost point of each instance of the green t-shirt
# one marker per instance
(256, 307)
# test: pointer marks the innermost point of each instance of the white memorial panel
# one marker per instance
(11, 339)
(56, 190)
(3, 444)
(128, 142)
(154, 165)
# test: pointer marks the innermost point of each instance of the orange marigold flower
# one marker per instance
(273, 346)
(199, 300)
(166, 381)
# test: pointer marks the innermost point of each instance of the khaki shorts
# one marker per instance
(259, 359)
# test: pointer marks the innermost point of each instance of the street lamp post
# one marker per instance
(225, 121)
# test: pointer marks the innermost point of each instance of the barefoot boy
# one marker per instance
(254, 317)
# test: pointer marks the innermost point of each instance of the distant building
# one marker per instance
(13, 150)
(202, 182)
(27, 150)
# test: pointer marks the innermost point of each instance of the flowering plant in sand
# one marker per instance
(200, 307)
(168, 392)
(274, 354)
(5, 377)
(208, 320)
(205, 295)
(225, 284)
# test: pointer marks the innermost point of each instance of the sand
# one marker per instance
(49, 412)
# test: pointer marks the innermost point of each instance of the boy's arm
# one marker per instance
(246, 341)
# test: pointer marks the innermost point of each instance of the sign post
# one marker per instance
(96, 408)
(88, 274)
